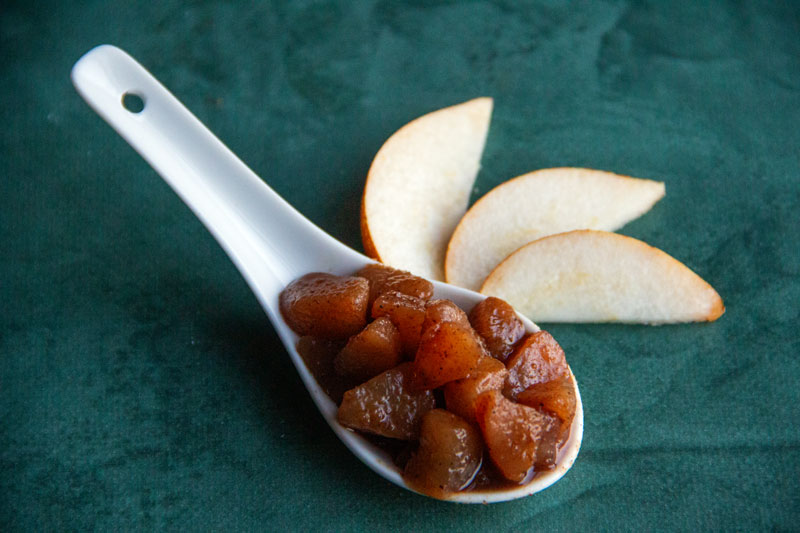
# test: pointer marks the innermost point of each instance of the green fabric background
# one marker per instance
(141, 385)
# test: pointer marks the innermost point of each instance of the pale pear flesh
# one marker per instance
(537, 204)
(597, 276)
(419, 184)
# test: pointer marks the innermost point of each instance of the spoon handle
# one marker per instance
(268, 240)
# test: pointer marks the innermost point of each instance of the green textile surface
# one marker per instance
(142, 386)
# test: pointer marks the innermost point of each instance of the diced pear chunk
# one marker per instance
(384, 278)
(324, 305)
(376, 349)
(538, 358)
(447, 351)
(513, 434)
(498, 324)
(406, 312)
(460, 395)
(386, 405)
(449, 454)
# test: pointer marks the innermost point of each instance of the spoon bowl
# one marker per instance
(269, 241)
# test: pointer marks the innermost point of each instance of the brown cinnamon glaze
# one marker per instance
(461, 401)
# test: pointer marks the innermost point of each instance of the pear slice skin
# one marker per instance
(419, 184)
(597, 276)
(537, 204)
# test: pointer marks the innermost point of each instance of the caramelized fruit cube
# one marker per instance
(498, 324)
(550, 443)
(318, 355)
(512, 433)
(398, 404)
(556, 397)
(376, 349)
(449, 455)
(438, 311)
(460, 395)
(406, 312)
(447, 351)
(386, 405)
(383, 278)
(324, 305)
(538, 358)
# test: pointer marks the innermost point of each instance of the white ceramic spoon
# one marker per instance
(267, 239)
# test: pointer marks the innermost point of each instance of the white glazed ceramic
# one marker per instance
(267, 239)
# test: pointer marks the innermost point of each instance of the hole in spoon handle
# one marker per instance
(133, 102)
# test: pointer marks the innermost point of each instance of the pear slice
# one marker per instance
(537, 204)
(419, 184)
(596, 276)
